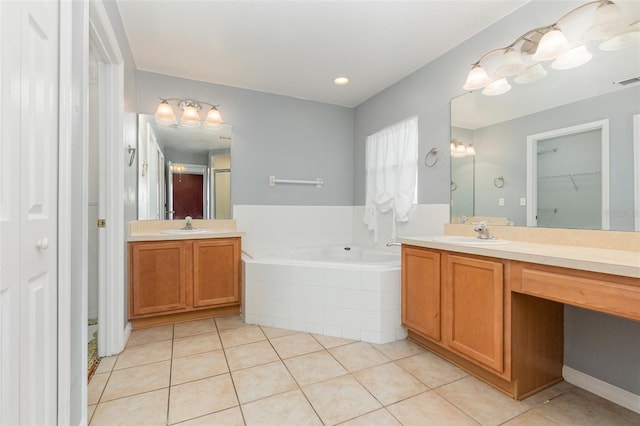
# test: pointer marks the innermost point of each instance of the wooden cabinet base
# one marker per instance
(152, 321)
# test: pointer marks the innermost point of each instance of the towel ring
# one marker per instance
(499, 182)
(431, 159)
(132, 154)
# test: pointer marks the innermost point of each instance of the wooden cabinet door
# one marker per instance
(421, 291)
(216, 271)
(159, 277)
(474, 306)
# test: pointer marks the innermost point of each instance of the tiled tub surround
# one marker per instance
(357, 302)
(272, 227)
(348, 300)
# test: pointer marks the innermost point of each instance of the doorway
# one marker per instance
(568, 177)
(187, 191)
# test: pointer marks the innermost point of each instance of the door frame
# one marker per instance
(532, 166)
(77, 21)
(111, 310)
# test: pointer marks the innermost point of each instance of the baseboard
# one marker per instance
(607, 391)
(126, 334)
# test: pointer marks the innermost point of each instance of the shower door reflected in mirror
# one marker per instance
(195, 162)
(462, 186)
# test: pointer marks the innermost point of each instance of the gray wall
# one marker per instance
(272, 135)
(427, 93)
(498, 155)
(603, 346)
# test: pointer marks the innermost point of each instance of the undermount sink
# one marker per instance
(468, 241)
(187, 231)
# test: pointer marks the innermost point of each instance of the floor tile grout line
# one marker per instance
(235, 389)
(304, 395)
(173, 338)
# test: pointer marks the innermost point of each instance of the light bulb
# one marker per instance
(533, 73)
(476, 79)
(629, 37)
(551, 45)
(214, 119)
(164, 114)
(511, 63)
(572, 59)
(190, 117)
(607, 22)
(496, 88)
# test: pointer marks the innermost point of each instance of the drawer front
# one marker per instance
(598, 294)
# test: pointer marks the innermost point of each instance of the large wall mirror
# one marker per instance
(183, 171)
(558, 152)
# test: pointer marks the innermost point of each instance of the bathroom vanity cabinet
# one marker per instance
(180, 280)
(461, 307)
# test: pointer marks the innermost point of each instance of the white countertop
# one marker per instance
(615, 262)
(156, 230)
(157, 236)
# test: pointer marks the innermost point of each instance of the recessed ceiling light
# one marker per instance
(340, 81)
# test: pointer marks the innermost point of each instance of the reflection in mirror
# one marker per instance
(183, 171)
(606, 88)
(462, 176)
(568, 186)
(462, 187)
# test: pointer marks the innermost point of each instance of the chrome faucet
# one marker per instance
(483, 231)
(393, 244)
(188, 226)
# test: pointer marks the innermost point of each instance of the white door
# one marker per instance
(28, 209)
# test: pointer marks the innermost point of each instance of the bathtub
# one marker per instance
(343, 291)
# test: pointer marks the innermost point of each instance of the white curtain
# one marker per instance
(392, 170)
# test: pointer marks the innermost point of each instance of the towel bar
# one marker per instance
(318, 182)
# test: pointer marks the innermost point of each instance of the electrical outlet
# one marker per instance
(501, 202)
(523, 201)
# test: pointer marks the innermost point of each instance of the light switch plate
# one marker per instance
(501, 202)
(523, 201)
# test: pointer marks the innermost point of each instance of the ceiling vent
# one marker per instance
(630, 81)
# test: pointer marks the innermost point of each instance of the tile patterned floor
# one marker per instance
(223, 372)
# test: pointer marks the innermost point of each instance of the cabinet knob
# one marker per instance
(43, 244)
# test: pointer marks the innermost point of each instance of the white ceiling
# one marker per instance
(296, 48)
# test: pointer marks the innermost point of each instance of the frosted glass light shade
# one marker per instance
(470, 150)
(496, 88)
(511, 63)
(214, 119)
(572, 59)
(190, 117)
(533, 73)
(628, 38)
(607, 22)
(551, 45)
(164, 114)
(476, 79)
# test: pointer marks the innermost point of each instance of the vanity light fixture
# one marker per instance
(565, 42)
(460, 149)
(190, 113)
